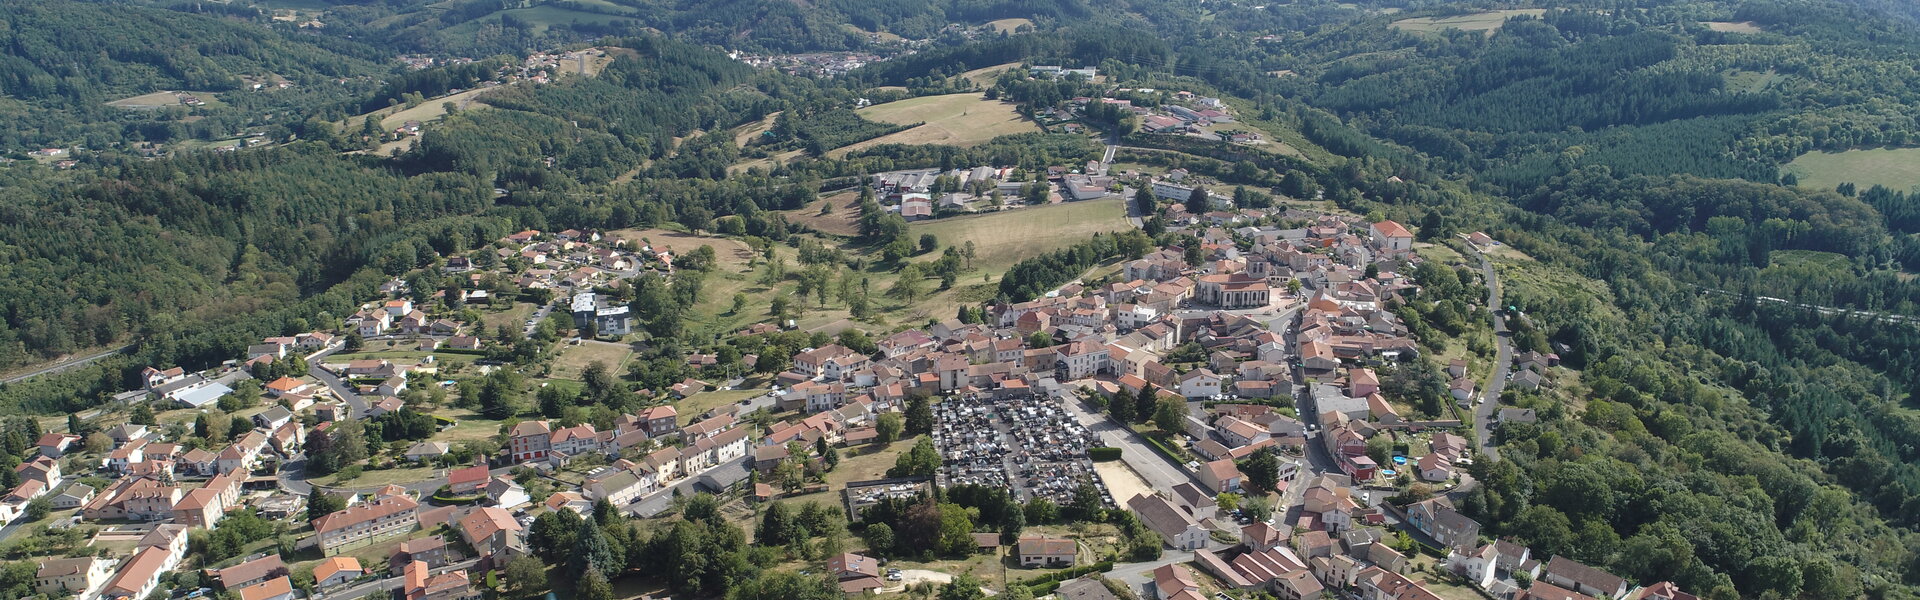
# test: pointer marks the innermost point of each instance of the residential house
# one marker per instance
(75, 496)
(856, 573)
(1174, 526)
(417, 583)
(506, 493)
(1049, 552)
(491, 531)
(1200, 383)
(1174, 582)
(467, 481)
(431, 550)
(55, 445)
(1573, 575)
(1380, 584)
(1437, 518)
(379, 518)
(336, 570)
(250, 572)
(1221, 476)
(72, 577)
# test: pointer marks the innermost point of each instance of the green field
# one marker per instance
(1480, 21)
(1005, 237)
(573, 360)
(693, 406)
(952, 119)
(1896, 168)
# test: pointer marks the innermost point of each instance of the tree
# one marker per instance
(879, 538)
(1039, 339)
(964, 587)
(786, 585)
(1041, 511)
(142, 414)
(1121, 406)
(1170, 414)
(919, 415)
(889, 426)
(526, 575)
(38, 508)
(908, 286)
(552, 535)
(321, 503)
(1145, 203)
(591, 555)
(97, 442)
(1262, 470)
(593, 586)
(1258, 508)
(922, 460)
(928, 242)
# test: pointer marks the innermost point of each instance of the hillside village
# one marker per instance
(1267, 358)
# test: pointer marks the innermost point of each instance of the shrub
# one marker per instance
(1104, 454)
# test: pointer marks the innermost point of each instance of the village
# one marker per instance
(1247, 399)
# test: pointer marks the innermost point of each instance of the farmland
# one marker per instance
(1005, 237)
(952, 119)
(161, 99)
(1480, 21)
(1897, 168)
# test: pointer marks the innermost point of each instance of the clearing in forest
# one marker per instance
(1480, 21)
(1733, 27)
(1896, 168)
(1008, 25)
(951, 119)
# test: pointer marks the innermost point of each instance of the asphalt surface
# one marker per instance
(62, 366)
(1159, 472)
(1502, 363)
(357, 406)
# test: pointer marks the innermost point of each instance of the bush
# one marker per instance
(1104, 454)
(1056, 577)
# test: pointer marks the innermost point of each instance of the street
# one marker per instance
(356, 405)
(1159, 472)
(62, 366)
(1502, 362)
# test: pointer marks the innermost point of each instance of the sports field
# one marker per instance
(1480, 21)
(951, 119)
(1897, 168)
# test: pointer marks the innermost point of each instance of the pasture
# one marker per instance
(1005, 237)
(951, 119)
(1008, 25)
(733, 254)
(573, 360)
(1733, 27)
(160, 99)
(1481, 21)
(1896, 168)
(985, 76)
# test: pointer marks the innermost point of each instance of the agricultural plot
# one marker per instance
(1480, 21)
(1003, 238)
(1896, 168)
(1733, 27)
(952, 119)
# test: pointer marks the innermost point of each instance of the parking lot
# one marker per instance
(1030, 445)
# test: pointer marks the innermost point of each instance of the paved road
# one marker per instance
(539, 314)
(1159, 472)
(62, 366)
(356, 406)
(1502, 363)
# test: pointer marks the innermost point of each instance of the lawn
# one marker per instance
(512, 317)
(573, 360)
(985, 76)
(1896, 168)
(1480, 21)
(952, 119)
(844, 220)
(733, 254)
(373, 478)
(467, 426)
(856, 464)
(1005, 237)
(692, 407)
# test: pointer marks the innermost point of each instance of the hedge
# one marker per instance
(461, 351)
(1043, 589)
(1063, 575)
(1157, 445)
(1104, 454)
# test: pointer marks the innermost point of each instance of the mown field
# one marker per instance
(951, 119)
(1003, 238)
(1897, 168)
(1480, 21)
